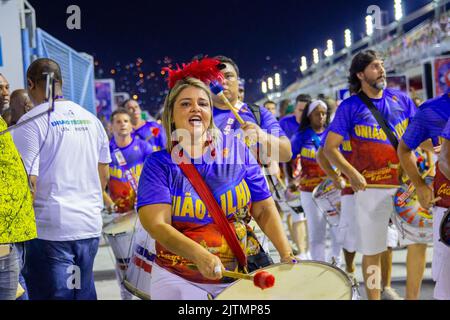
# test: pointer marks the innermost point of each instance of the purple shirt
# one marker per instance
(153, 133)
(289, 125)
(304, 146)
(430, 122)
(372, 153)
(120, 187)
(234, 186)
(223, 118)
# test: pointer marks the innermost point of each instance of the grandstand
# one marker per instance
(415, 48)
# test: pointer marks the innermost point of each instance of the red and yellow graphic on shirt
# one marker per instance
(311, 175)
(190, 217)
(441, 187)
(373, 155)
(120, 189)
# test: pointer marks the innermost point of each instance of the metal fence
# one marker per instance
(77, 69)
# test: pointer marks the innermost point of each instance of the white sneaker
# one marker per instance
(389, 293)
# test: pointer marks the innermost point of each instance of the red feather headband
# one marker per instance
(206, 70)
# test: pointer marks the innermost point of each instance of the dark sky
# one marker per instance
(262, 36)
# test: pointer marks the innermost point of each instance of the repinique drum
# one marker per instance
(307, 280)
(444, 230)
(328, 200)
(119, 234)
(412, 221)
(138, 275)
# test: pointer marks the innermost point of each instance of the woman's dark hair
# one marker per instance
(359, 64)
(305, 122)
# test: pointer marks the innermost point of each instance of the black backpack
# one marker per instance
(256, 111)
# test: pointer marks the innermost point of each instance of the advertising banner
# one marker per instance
(104, 94)
(441, 75)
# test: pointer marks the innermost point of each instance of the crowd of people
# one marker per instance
(209, 174)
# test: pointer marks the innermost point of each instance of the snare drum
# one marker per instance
(307, 280)
(119, 234)
(328, 200)
(138, 275)
(412, 221)
(444, 230)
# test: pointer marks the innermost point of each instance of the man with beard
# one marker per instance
(373, 170)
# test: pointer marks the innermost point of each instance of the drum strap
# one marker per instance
(380, 119)
(219, 217)
(315, 139)
(128, 174)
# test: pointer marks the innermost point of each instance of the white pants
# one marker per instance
(168, 286)
(441, 259)
(317, 228)
(373, 208)
(346, 228)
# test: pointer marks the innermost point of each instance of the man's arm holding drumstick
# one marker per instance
(408, 162)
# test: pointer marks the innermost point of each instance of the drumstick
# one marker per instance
(376, 186)
(261, 279)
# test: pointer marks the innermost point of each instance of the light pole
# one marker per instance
(316, 58)
(369, 25)
(303, 64)
(278, 84)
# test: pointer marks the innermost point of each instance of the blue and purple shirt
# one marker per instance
(430, 122)
(372, 153)
(120, 186)
(304, 146)
(225, 120)
(234, 185)
(290, 125)
(152, 133)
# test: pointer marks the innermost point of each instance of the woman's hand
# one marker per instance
(210, 266)
(290, 259)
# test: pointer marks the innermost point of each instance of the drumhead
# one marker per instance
(445, 229)
(413, 222)
(307, 280)
(122, 224)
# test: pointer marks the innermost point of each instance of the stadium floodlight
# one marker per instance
(316, 57)
(303, 64)
(277, 80)
(369, 25)
(330, 48)
(348, 38)
(398, 9)
(270, 83)
(264, 87)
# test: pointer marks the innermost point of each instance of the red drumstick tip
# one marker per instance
(264, 280)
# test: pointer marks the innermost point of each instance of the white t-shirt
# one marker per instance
(65, 157)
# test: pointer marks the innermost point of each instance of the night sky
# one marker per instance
(263, 36)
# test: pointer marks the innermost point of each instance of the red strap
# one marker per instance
(215, 210)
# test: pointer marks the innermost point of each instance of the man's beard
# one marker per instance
(379, 84)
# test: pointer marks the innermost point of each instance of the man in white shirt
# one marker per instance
(66, 155)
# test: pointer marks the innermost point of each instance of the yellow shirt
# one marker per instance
(17, 221)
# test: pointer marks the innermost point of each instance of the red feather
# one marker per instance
(206, 70)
